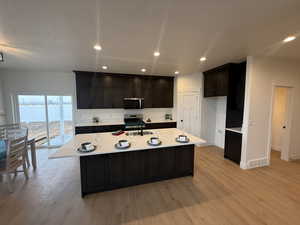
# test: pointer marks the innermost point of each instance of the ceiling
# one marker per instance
(59, 35)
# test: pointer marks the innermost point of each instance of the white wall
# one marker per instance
(2, 109)
(50, 83)
(278, 117)
(57, 83)
(262, 74)
(213, 110)
(220, 122)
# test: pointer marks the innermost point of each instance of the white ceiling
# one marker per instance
(59, 35)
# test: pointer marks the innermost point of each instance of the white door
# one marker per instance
(189, 113)
(281, 120)
(285, 140)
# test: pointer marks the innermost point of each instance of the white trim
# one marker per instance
(295, 157)
(276, 148)
(246, 120)
(255, 163)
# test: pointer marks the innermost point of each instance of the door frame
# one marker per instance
(285, 151)
(16, 112)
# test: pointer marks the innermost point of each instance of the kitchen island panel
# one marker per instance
(112, 171)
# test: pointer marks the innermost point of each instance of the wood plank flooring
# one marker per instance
(220, 193)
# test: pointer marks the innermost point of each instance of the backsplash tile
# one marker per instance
(110, 115)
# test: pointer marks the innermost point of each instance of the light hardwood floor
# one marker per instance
(220, 193)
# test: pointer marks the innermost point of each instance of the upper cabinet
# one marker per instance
(106, 90)
(228, 80)
(216, 81)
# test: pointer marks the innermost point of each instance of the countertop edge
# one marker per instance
(126, 150)
(236, 130)
(118, 123)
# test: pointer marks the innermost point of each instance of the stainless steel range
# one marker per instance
(135, 122)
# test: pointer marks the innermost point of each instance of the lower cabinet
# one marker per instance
(98, 129)
(111, 128)
(233, 146)
(117, 170)
(161, 125)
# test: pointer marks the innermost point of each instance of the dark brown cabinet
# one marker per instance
(233, 146)
(106, 90)
(111, 128)
(117, 170)
(216, 81)
(235, 97)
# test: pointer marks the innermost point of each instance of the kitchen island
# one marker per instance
(108, 168)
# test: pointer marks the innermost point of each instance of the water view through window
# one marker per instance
(48, 118)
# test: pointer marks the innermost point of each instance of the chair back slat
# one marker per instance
(11, 126)
(7, 129)
(16, 150)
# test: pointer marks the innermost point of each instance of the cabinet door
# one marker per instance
(147, 92)
(233, 146)
(135, 168)
(161, 125)
(210, 85)
(94, 174)
(184, 161)
(222, 82)
(137, 87)
(126, 169)
(167, 163)
(89, 91)
(236, 95)
(162, 92)
(116, 170)
(216, 81)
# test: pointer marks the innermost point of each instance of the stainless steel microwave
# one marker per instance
(133, 103)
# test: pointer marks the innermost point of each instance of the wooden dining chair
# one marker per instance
(15, 157)
(8, 130)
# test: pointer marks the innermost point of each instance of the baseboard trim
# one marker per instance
(295, 157)
(255, 163)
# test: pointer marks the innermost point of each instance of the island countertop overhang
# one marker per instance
(105, 142)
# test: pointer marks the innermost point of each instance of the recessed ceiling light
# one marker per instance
(105, 67)
(202, 59)
(288, 39)
(98, 47)
(156, 54)
(176, 72)
(143, 70)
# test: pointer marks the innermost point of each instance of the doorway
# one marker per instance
(281, 122)
(49, 119)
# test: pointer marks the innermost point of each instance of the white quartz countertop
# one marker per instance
(235, 129)
(120, 122)
(105, 142)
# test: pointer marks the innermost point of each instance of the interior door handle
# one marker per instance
(181, 120)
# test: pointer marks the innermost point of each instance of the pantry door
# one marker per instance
(189, 113)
